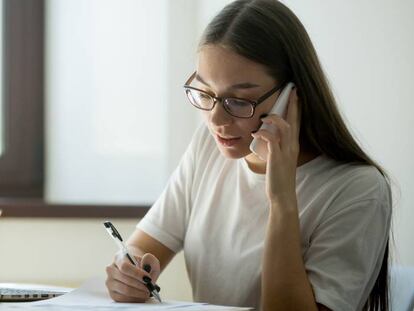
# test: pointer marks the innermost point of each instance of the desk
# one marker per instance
(92, 295)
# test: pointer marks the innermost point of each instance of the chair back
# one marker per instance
(402, 288)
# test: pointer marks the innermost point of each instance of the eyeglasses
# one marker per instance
(237, 107)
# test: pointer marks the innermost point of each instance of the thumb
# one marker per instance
(151, 264)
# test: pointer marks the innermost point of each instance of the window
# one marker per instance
(114, 68)
(106, 97)
(1, 79)
(21, 160)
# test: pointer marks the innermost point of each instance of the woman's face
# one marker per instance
(223, 73)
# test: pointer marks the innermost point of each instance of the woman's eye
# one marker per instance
(204, 96)
(235, 102)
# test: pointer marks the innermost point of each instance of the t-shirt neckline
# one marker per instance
(299, 170)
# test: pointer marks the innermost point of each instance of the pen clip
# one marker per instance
(110, 228)
(114, 232)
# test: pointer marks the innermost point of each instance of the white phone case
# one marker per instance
(259, 146)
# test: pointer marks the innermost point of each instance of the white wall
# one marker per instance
(366, 49)
(67, 252)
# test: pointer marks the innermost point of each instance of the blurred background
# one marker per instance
(93, 118)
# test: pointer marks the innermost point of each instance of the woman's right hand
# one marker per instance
(125, 280)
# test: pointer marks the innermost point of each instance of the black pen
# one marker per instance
(153, 288)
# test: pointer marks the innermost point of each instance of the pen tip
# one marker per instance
(157, 296)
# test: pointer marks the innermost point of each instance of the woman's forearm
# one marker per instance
(285, 285)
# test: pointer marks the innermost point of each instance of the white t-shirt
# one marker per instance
(216, 210)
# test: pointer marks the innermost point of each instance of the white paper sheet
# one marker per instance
(92, 295)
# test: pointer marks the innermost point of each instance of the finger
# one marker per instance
(272, 141)
(132, 271)
(151, 264)
(283, 130)
(122, 298)
(114, 273)
(121, 292)
(281, 124)
(124, 289)
(138, 259)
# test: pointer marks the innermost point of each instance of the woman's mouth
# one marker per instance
(227, 142)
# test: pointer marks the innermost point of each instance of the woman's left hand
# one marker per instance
(282, 158)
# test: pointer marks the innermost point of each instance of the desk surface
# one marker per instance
(92, 295)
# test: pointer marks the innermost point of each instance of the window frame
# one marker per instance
(22, 163)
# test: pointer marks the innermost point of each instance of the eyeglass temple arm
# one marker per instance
(271, 92)
(190, 79)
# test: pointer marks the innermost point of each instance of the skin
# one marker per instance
(222, 73)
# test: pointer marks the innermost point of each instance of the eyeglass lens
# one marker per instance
(234, 106)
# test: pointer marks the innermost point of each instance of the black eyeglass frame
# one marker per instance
(253, 103)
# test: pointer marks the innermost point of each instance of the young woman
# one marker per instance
(304, 229)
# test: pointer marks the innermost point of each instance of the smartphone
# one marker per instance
(259, 146)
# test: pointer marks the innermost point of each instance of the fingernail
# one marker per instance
(147, 268)
(147, 279)
(263, 115)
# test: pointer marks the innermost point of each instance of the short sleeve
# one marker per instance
(346, 250)
(167, 219)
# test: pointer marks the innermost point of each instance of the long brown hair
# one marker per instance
(269, 33)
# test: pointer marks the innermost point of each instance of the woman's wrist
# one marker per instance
(285, 204)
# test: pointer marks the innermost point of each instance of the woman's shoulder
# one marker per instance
(331, 188)
(345, 181)
(361, 177)
(351, 183)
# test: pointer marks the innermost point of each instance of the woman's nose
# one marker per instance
(219, 116)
